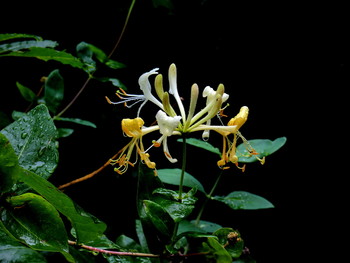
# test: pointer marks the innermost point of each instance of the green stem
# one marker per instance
(208, 197)
(183, 168)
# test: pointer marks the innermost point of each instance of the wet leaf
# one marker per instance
(159, 217)
(9, 168)
(87, 227)
(34, 221)
(12, 251)
(232, 241)
(47, 54)
(16, 46)
(33, 138)
(244, 200)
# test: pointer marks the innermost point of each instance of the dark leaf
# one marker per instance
(26, 93)
(54, 90)
(87, 227)
(47, 54)
(37, 223)
(12, 251)
(9, 168)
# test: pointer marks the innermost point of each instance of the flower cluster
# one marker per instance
(178, 121)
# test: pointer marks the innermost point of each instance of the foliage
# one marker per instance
(37, 218)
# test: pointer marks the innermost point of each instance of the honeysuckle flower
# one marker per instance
(145, 87)
(167, 126)
(172, 123)
(133, 128)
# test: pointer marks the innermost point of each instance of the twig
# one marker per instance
(88, 176)
(117, 253)
(133, 254)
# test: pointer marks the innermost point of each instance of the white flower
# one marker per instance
(167, 126)
(146, 87)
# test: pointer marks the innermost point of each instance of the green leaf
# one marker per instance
(141, 236)
(172, 176)
(159, 217)
(4, 37)
(115, 82)
(54, 90)
(75, 120)
(33, 137)
(87, 227)
(232, 241)
(37, 223)
(16, 46)
(169, 200)
(220, 253)
(244, 200)
(206, 226)
(12, 251)
(47, 54)
(201, 144)
(64, 132)
(9, 168)
(26, 93)
(86, 52)
(263, 147)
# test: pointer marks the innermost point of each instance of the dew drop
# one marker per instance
(24, 135)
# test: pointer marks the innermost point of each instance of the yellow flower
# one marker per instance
(229, 154)
(133, 128)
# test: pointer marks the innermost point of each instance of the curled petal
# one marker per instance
(132, 127)
(240, 118)
(167, 124)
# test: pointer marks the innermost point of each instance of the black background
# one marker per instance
(287, 62)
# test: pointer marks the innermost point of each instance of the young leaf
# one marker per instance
(34, 221)
(33, 138)
(87, 227)
(12, 251)
(263, 147)
(9, 168)
(172, 176)
(201, 144)
(47, 54)
(54, 90)
(244, 200)
(75, 120)
(26, 93)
